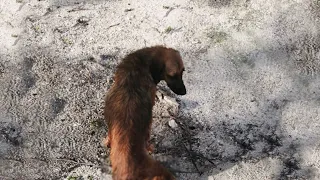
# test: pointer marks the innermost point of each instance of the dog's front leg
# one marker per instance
(149, 146)
(107, 140)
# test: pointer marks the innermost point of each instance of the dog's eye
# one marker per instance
(173, 76)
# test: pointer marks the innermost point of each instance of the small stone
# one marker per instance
(127, 10)
(173, 124)
(83, 20)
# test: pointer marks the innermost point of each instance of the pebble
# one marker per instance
(173, 124)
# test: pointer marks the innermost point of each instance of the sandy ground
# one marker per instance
(252, 77)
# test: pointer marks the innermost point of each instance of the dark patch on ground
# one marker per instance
(291, 165)
(107, 60)
(107, 57)
(11, 133)
(244, 61)
(58, 105)
(1, 69)
(27, 64)
(291, 168)
(73, 2)
(25, 83)
(219, 3)
(28, 80)
(247, 136)
(27, 76)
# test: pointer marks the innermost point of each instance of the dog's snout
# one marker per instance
(183, 91)
(179, 88)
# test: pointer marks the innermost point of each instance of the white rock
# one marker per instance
(173, 124)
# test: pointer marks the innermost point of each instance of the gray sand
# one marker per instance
(252, 77)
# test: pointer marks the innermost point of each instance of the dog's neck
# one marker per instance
(155, 60)
(156, 69)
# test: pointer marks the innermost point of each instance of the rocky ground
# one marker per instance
(252, 77)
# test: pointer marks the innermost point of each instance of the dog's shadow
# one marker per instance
(193, 150)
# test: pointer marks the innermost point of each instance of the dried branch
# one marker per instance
(192, 159)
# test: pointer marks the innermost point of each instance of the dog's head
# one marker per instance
(173, 72)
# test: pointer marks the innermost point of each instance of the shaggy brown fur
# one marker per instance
(128, 110)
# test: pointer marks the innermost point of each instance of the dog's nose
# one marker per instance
(182, 91)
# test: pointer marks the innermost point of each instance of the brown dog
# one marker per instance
(128, 110)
